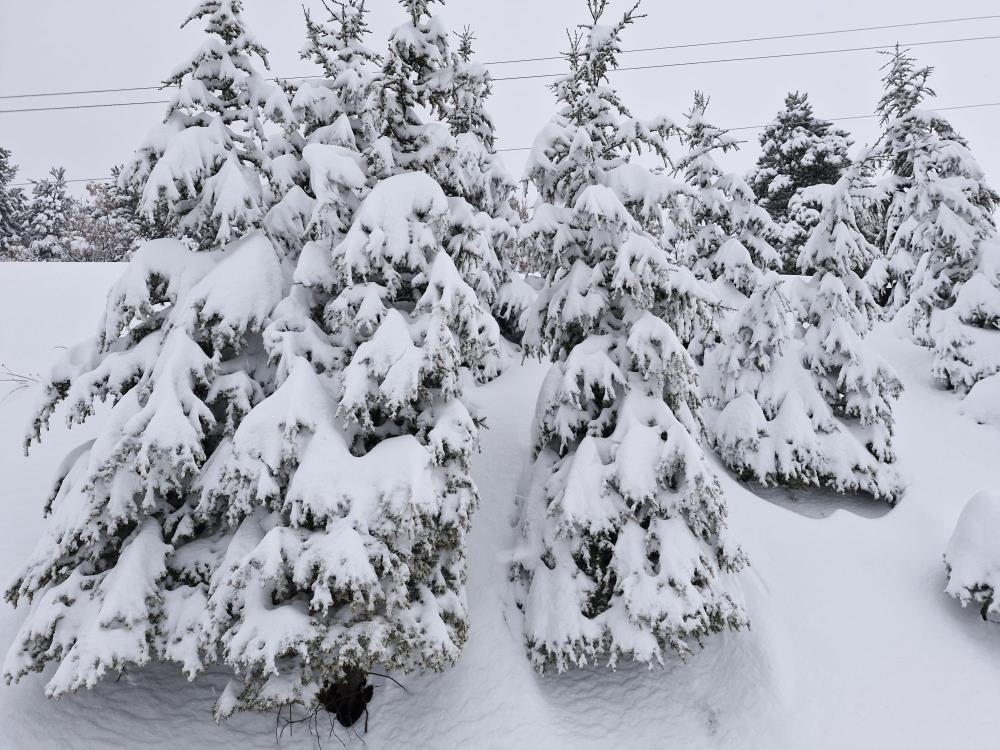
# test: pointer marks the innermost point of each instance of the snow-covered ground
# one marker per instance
(853, 643)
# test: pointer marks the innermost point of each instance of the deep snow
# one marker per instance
(853, 641)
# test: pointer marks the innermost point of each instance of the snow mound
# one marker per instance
(973, 555)
(983, 402)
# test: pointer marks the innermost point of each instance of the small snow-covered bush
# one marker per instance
(973, 555)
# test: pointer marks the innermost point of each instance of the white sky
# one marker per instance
(51, 45)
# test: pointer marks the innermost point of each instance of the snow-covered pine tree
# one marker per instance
(966, 335)
(772, 423)
(12, 204)
(949, 209)
(906, 129)
(48, 218)
(121, 575)
(838, 310)
(625, 550)
(202, 171)
(942, 271)
(483, 220)
(350, 484)
(798, 150)
(317, 165)
(414, 78)
(724, 233)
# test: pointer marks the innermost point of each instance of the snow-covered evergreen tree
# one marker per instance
(625, 551)
(484, 222)
(415, 76)
(942, 269)
(138, 529)
(350, 483)
(838, 310)
(723, 231)
(798, 150)
(202, 171)
(949, 210)
(12, 204)
(120, 575)
(48, 218)
(317, 164)
(928, 163)
(966, 336)
(773, 422)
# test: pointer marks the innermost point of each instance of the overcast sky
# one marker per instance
(54, 45)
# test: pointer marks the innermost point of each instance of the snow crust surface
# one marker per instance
(854, 642)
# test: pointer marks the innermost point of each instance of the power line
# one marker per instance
(557, 75)
(777, 37)
(81, 91)
(79, 179)
(739, 127)
(750, 58)
(80, 106)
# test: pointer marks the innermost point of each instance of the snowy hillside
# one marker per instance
(853, 641)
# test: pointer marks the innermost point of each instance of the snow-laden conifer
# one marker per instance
(485, 229)
(724, 233)
(772, 422)
(625, 551)
(350, 484)
(942, 268)
(137, 532)
(12, 204)
(966, 336)
(283, 483)
(838, 310)
(798, 150)
(937, 197)
(202, 171)
(49, 213)
(120, 575)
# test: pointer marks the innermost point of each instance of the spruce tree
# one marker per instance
(318, 164)
(625, 550)
(859, 386)
(772, 422)
(912, 142)
(484, 222)
(940, 232)
(351, 482)
(963, 336)
(136, 534)
(798, 150)
(723, 231)
(202, 171)
(120, 575)
(12, 204)
(47, 225)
